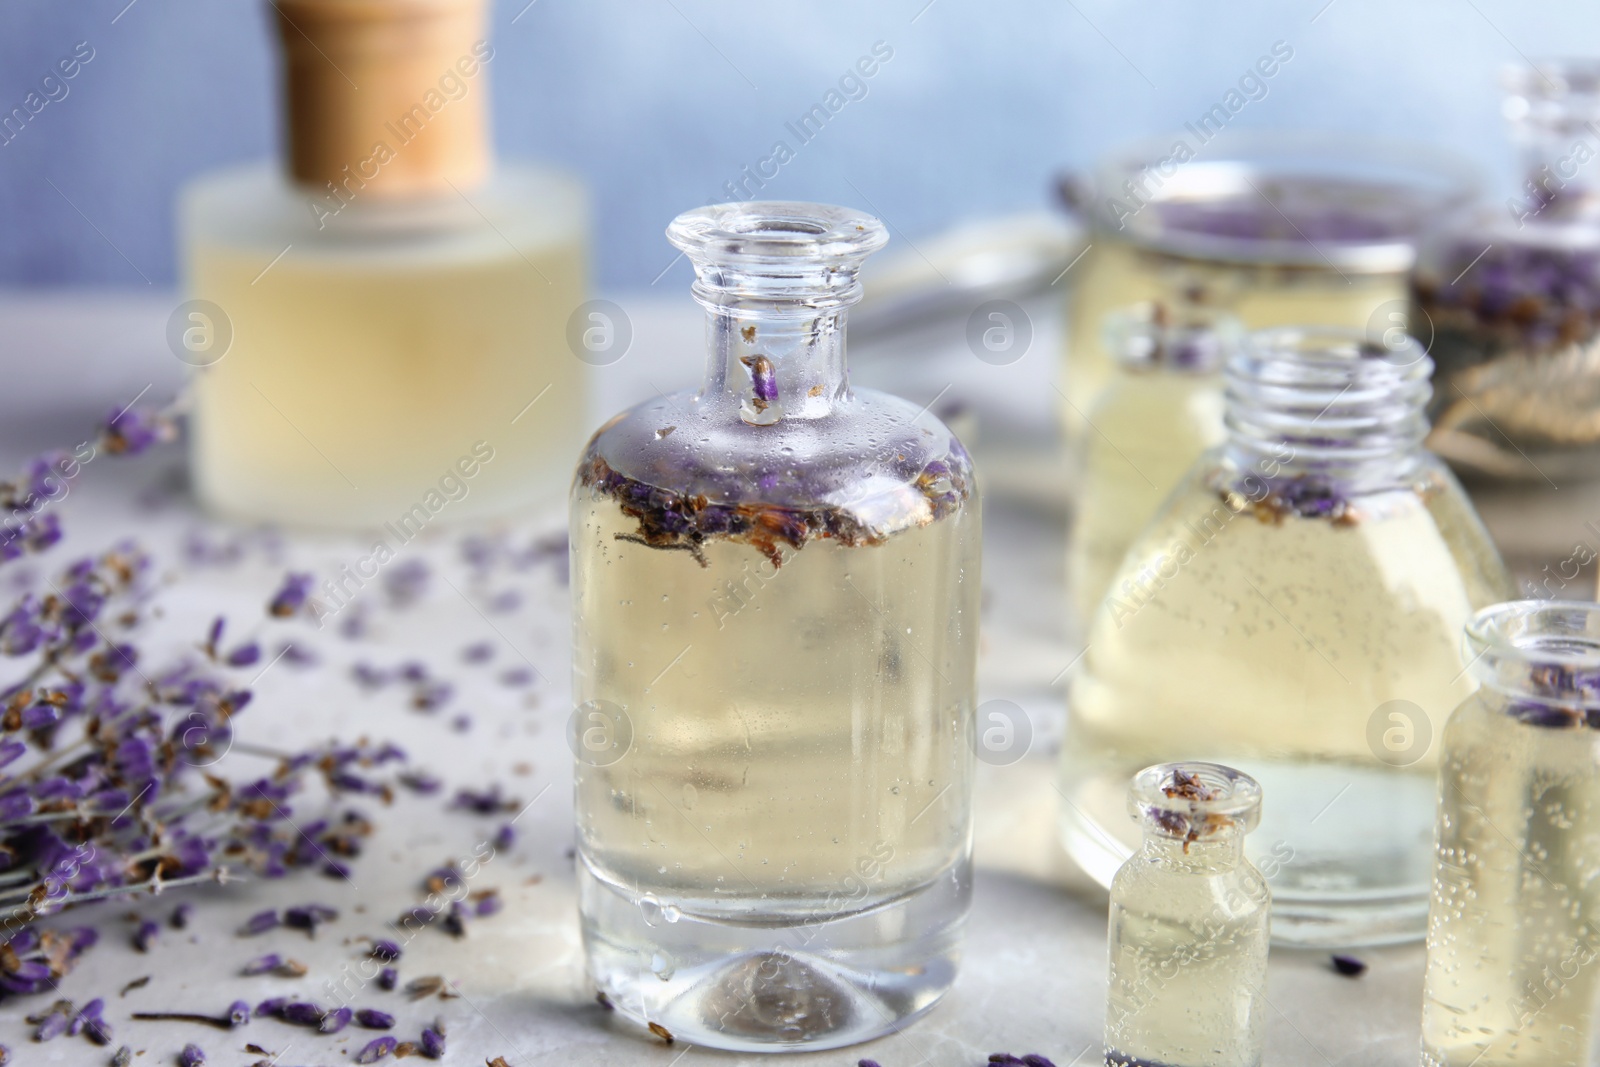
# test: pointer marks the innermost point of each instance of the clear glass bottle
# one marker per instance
(1507, 295)
(1301, 579)
(1278, 228)
(381, 334)
(1514, 924)
(775, 586)
(1161, 410)
(1189, 920)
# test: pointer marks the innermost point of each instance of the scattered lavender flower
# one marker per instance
(1349, 966)
(481, 652)
(272, 1007)
(238, 1013)
(406, 583)
(388, 979)
(132, 430)
(868, 1063)
(147, 934)
(433, 1043)
(486, 802)
(192, 1056)
(308, 917)
(373, 1019)
(488, 904)
(376, 1049)
(504, 838)
(291, 597)
(122, 1058)
(259, 923)
(52, 1026)
(262, 965)
(516, 677)
(301, 1013)
(384, 949)
(461, 723)
(335, 1020)
(507, 600)
(181, 914)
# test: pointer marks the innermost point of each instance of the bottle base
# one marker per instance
(802, 982)
(1360, 878)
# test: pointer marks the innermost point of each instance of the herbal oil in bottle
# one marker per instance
(1514, 923)
(775, 586)
(1162, 410)
(1293, 611)
(370, 329)
(1188, 930)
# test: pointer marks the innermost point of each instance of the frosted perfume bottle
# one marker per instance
(1188, 930)
(1293, 611)
(1162, 409)
(391, 314)
(1514, 923)
(775, 585)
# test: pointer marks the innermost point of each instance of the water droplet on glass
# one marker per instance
(663, 966)
(672, 913)
(650, 909)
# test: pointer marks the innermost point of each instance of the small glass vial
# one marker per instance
(1162, 409)
(379, 327)
(775, 591)
(1188, 930)
(1507, 294)
(1514, 923)
(1302, 587)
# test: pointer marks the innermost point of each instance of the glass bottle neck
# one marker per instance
(1327, 403)
(1216, 854)
(775, 356)
(1542, 658)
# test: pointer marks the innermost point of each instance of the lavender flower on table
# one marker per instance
(433, 1042)
(376, 1049)
(291, 597)
(192, 1056)
(335, 1020)
(308, 917)
(146, 935)
(388, 979)
(373, 1019)
(259, 923)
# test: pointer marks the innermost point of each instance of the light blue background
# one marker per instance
(657, 103)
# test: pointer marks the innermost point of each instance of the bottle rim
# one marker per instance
(1541, 651)
(1194, 800)
(776, 231)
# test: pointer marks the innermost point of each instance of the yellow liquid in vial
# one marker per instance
(799, 734)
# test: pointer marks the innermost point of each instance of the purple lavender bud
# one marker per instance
(11, 751)
(31, 971)
(131, 431)
(868, 1063)
(301, 1013)
(214, 635)
(335, 1020)
(481, 652)
(384, 949)
(763, 377)
(192, 1056)
(1349, 966)
(308, 916)
(388, 978)
(1033, 1059)
(146, 935)
(432, 1043)
(489, 905)
(238, 1013)
(373, 1019)
(97, 1030)
(505, 837)
(181, 914)
(421, 782)
(291, 596)
(52, 1026)
(272, 1007)
(39, 716)
(262, 965)
(14, 805)
(244, 655)
(376, 1049)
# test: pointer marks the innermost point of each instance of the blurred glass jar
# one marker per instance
(1514, 923)
(1161, 409)
(1280, 229)
(1507, 296)
(1294, 610)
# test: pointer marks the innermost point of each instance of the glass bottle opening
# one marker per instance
(1329, 394)
(1544, 655)
(776, 231)
(1193, 801)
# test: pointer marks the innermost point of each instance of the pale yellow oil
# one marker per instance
(799, 734)
(354, 385)
(1514, 924)
(1148, 429)
(1271, 647)
(1114, 276)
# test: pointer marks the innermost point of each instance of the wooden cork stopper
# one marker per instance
(385, 98)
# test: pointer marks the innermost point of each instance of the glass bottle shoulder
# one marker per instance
(1195, 894)
(874, 465)
(520, 209)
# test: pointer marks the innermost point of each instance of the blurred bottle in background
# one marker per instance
(1279, 228)
(1508, 292)
(383, 329)
(1161, 409)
